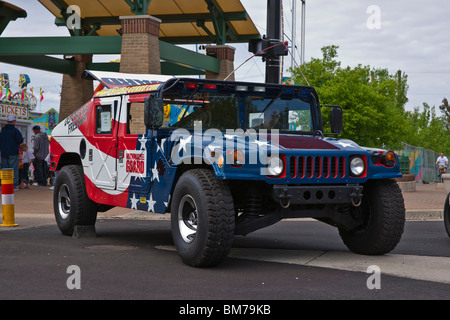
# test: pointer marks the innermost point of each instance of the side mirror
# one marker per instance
(336, 120)
(153, 112)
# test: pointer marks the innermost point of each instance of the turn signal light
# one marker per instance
(389, 159)
(384, 158)
(390, 156)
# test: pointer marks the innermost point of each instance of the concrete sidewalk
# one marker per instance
(427, 202)
(36, 203)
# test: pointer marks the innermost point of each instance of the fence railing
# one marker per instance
(420, 162)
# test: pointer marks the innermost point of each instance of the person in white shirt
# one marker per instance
(27, 158)
(442, 161)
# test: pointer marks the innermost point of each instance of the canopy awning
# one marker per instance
(9, 12)
(183, 21)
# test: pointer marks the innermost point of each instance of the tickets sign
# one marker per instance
(13, 110)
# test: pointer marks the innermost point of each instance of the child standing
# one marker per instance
(27, 157)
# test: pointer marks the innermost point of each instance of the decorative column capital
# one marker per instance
(140, 24)
(221, 52)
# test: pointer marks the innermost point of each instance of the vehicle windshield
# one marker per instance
(284, 114)
(219, 109)
(210, 110)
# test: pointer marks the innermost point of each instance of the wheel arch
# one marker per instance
(68, 158)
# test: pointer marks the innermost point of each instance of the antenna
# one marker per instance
(303, 32)
(294, 30)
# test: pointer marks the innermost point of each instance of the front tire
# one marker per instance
(71, 205)
(447, 214)
(202, 218)
(383, 212)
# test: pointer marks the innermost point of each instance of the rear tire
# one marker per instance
(383, 212)
(202, 218)
(71, 205)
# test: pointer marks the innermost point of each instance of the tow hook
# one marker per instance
(285, 199)
(356, 197)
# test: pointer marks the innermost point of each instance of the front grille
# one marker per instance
(308, 167)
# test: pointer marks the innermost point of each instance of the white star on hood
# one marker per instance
(345, 145)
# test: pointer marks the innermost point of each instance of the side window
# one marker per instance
(103, 119)
(135, 118)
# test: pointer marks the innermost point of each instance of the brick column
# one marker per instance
(226, 56)
(140, 45)
(75, 91)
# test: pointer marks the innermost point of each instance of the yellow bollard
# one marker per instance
(7, 176)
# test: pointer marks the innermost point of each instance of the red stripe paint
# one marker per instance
(99, 196)
(7, 188)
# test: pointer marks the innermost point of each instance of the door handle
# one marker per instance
(120, 156)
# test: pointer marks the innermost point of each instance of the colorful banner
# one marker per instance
(8, 93)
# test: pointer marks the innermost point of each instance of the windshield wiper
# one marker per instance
(189, 99)
(271, 102)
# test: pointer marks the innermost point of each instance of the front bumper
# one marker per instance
(337, 194)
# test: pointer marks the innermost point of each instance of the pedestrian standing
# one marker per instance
(27, 158)
(10, 140)
(41, 146)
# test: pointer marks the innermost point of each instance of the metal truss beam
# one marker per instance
(33, 52)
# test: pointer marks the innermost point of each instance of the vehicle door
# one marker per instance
(102, 156)
(134, 148)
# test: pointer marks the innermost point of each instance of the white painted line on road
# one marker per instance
(436, 269)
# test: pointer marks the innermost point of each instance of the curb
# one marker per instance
(426, 214)
(421, 215)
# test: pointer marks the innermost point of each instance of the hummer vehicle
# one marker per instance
(224, 158)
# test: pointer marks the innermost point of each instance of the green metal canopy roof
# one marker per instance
(183, 21)
(9, 12)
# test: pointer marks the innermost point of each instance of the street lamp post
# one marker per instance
(273, 33)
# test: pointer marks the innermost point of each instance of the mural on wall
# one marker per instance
(48, 120)
(415, 161)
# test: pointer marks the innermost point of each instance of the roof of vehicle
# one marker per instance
(126, 83)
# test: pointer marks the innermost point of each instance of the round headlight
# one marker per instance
(357, 166)
(275, 166)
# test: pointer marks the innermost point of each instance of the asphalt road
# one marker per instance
(291, 260)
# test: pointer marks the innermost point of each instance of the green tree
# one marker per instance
(445, 109)
(427, 130)
(372, 99)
